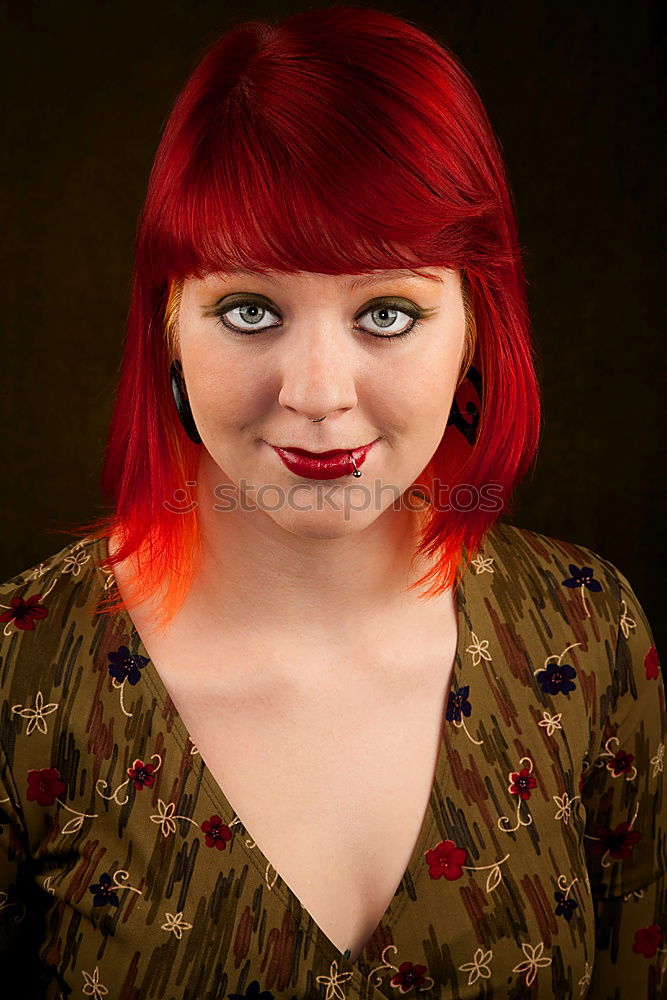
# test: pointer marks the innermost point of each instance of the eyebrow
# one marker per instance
(359, 282)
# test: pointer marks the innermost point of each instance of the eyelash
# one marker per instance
(415, 313)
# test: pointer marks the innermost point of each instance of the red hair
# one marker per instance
(320, 143)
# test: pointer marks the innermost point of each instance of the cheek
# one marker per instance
(219, 383)
(430, 391)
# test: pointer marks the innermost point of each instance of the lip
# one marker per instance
(318, 454)
(325, 465)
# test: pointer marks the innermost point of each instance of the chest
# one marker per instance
(330, 772)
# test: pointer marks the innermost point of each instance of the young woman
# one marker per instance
(246, 752)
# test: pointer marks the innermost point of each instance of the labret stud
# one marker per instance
(356, 472)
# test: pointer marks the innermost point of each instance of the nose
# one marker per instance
(318, 373)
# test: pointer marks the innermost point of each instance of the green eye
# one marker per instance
(249, 312)
(389, 319)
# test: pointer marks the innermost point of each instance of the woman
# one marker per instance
(245, 752)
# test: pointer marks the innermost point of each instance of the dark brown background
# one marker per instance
(576, 95)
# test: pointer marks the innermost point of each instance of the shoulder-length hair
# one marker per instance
(339, 140)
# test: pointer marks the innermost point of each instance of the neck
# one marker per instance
(336, 581)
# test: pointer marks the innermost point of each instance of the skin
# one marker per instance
(318, 574)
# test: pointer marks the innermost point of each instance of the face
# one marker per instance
(264, 356)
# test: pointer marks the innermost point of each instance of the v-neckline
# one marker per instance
(425, 839)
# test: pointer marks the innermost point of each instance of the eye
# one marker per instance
(387, 319)
(249, 312)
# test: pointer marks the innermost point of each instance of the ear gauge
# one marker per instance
(471, 399)
(181, 399)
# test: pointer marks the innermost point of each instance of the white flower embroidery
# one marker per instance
(564, 806)
(657, 760)
(483, 564)
(551, 722)
(478, 967)
(479, 649)
(93, 987)
(626, 622)
(534, 961)
(585, 980)
(74, 561)
(333, 981)
(166, 818)
(36, 714)
(176, 924)
(39, 571)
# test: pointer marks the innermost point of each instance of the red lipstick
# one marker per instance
(327, 465)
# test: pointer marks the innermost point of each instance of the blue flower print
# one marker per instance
(126, 665)
(582, 576)
(556, 678)
(103, 892)
(253, 992)
(566, 906)
(458, 704)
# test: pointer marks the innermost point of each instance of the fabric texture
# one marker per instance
(539, 870)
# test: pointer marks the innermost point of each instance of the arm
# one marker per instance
(13, 910)
(625, 797)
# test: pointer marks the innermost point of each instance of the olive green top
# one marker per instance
(539, 870)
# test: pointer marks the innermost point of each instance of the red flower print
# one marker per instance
(621, 764)
(142, 774)
(217, 832)
(45, 785)
(522, 782)
(408, 976)
(24, 613)
(446, 859)
(619, 842)
(647, 940)
(652, 664)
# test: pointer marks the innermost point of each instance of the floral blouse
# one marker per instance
(539, 870)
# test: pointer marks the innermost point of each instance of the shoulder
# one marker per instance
(72, 567)
(542, 586)
(45, 607)
(564, 607)
(546, 566)
(558, 584)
